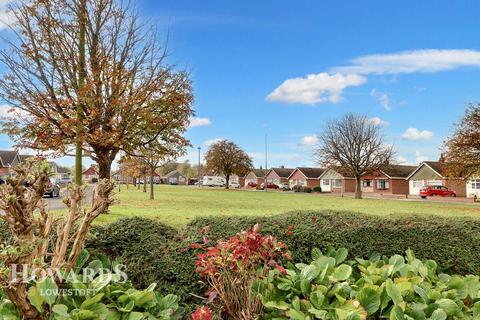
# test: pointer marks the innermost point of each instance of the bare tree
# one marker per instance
(225, 157)
(125, 92)
(355, 144)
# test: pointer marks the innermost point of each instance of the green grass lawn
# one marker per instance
(177, 205)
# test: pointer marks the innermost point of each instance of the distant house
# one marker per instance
(174, 177)
(91, 174)
(335, 179)
(8, 160)
(473, 187)
(256, 176)
(432, 173)
(306, 177)
(59, 172)
(389, 180)
(278, 175)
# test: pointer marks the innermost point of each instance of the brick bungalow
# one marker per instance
(307, 177)
(473, 187)
(278, 175)
(91, 174)
(256, 176)
(432, 173)
(335, 179)
(389, 180)
(174, 177)
(8, 160)
(59, 172)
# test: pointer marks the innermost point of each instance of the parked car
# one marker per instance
(252, 184)
(432, 191)
(233, 184)
(53, 189)
(284, 186)
(213, 181)
(269, 186)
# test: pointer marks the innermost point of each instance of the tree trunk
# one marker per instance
(227, 181)
(18, 295)
(104, 167)
(145, 183)
(134, 181)
(151, 184)
(358, 188)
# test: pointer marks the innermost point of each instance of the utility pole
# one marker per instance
(82, 12)
(199, 166)
(266, 164)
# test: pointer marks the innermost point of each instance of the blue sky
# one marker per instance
(284, 68)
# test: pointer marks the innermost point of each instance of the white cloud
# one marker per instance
(379, 122)
(415, 134)
(209, 142)
(315, 88)
(419, 157)
(382, 98)
(401, 160)
(428, 60)
(199, 122)
(310, 140)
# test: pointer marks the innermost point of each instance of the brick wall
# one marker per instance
(457, 185)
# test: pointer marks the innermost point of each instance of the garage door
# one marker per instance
(415, 186)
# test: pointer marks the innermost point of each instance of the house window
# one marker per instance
(476, 184)
(337, 183)
(383, 184)
(326, 182)
(367, 183)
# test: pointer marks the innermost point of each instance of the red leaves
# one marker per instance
(243, 252)
(203, 313)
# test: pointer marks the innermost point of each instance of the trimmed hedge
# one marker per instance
(453, 242)
(154, 252)
(151, 252)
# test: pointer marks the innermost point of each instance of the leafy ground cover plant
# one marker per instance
(106, 296)
(232, 267)
(390, 288)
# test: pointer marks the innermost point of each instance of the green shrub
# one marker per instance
(5, 234)
(453, 242)
(152, 253)
(306, 189)
(317, 189)
(331, 288)
(100, 295)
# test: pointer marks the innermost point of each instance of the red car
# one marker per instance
(269, 186)
(431, 191)
(252, 185)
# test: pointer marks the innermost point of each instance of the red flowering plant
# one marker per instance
(203, 313)
(232, 268)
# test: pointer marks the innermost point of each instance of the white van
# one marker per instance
(213, 181)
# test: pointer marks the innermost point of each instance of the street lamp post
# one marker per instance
(199, 166)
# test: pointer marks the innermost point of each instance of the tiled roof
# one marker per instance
(311, 173)
(283, 172)
(260, 173)
(8, 157)
(398, 171)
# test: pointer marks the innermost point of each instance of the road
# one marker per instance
(57, 203)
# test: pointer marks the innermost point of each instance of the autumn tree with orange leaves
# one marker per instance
(130, 96)
(462, 149)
